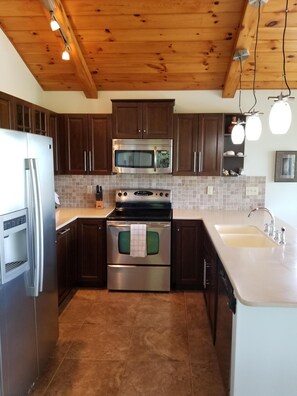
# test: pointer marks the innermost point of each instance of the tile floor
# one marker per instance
(128, 344)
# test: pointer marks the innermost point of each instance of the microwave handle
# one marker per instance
(155, 158)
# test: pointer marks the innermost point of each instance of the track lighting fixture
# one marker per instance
(280, 116)
(65, 53)
(54, 23)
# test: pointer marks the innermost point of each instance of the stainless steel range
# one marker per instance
(139, 241)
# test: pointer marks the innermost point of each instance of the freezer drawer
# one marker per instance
(142, 278)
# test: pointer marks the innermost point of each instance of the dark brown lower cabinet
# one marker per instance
(66, 260)
(187, 255)
(210, 281)
(91, 237)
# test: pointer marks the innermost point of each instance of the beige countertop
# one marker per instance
(260, 276)
(66, 215)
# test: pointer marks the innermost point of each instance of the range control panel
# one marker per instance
(143, 195)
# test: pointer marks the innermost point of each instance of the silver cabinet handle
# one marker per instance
(85, 161)
(199, 161)
(63, 232)
(139, 130)
(90, 161)
(195, 161)
(144, 131)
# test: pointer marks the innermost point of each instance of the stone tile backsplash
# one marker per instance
(229, 193)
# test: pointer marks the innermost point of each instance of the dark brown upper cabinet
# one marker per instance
(40, 120)
(22, 115)
(198, 144)
(139, 119)
(87, 144)
(6, 111)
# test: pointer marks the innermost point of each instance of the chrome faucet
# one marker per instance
(271, 228)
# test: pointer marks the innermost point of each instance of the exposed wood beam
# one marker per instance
(76, 56)
(244, 40)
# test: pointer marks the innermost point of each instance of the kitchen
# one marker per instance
(188, 192)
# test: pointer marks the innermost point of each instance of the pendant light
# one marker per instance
(253, 125)
(280, 116)
(237, 134)
(54, 23)
(65, 53)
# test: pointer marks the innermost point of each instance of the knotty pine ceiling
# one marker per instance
(152, 44)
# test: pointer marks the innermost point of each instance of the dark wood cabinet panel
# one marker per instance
(53, 127)
(142, 119)
(210, 281)
(210, 144)
(87, 144)
(185, 144)
(198, 144)
(22, 115)
(187, 254)
(6, 111)
(99, 144)
(40, 120)
(91, 269)
(66, 260)
(76, 143)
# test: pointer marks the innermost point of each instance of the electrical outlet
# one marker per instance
(210, 190)
(252, 191)
(89, 189)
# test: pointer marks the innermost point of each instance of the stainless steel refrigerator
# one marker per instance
(28, 282)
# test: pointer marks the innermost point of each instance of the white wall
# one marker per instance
(280, 197)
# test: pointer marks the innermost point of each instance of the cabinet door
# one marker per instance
(99, 144)
(6, 107)
(157, 120)
(187, 266)
(76, 144)
(40, 120)
(185, 144)
(91, 269)
(53, 133)
(23, 115)
(210, 144)
(210, 280)
(126, 120)
(66, 260)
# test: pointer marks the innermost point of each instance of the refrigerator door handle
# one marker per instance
(36, 207)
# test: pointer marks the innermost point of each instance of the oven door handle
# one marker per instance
(159, 225)
(155, 158)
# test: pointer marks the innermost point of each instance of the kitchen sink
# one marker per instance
(244, 236)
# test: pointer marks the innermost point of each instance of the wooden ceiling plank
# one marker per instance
(107, 7)
(246, 32)
(83, 73)
(134, 35)
(154, 21)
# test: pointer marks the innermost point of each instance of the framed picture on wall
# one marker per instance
(285, 166)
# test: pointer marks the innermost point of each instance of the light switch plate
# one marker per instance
(252, 191)
(210, 190)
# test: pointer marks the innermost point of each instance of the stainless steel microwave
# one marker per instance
(142, 156)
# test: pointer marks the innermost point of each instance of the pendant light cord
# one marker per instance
(283, 49)
(255, 57)
(240, 80)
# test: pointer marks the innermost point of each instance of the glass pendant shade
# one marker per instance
(253, 127)
(65, 55)
(280, 117)
(237, 135)
(54, 25)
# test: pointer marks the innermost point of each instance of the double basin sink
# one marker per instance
(244, 236)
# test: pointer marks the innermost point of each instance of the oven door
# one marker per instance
(158, 238)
